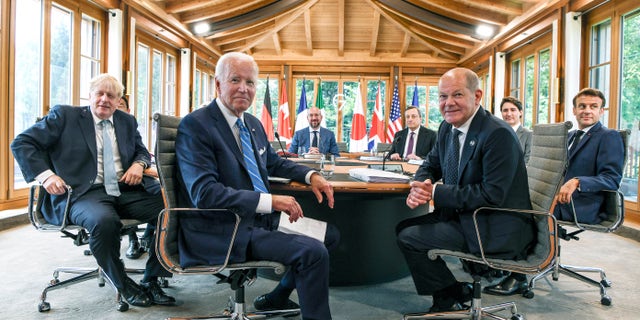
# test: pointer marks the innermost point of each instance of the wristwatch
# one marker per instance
(142, 163)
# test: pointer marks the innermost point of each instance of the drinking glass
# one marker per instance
(301, 151)
(327, 165)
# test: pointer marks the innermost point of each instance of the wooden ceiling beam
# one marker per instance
(341, 28)
(223, 10)
(405, 44)
(307, 32)
(507, 7)
(462, 12)
(403, 27)
(282, 21)
(276, 43)
(375, 30)
(187, 5)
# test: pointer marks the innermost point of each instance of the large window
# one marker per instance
(530, 80)
(47, 73)
(427, 91)
(155, 85)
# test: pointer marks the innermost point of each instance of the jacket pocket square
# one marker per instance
(261, 151)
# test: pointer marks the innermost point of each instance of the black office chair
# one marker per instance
(80, 236)
(546, 170)
(342, 147)
(614, 208)
(240, 274)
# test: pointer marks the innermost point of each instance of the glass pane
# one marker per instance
(27, 98)
(196, 89)
(170, 98)
(330, 99)
(529, 82)
(630, 101)
(435, 117)
(156, 95)
(60, 73)
(142, 91)
(601, 43)
(544, 83)
(89, 55)
(514, 90)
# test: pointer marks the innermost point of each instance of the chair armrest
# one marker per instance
(36, 198)
(543, 254)
(167, 233)
(614, 208)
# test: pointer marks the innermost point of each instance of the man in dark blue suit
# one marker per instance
(595, 164)
(325, 139)
(221, 165)
(66, 149)
(490, 172)
(403, 147)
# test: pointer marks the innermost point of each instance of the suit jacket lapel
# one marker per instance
(88, 128)
(471, 140)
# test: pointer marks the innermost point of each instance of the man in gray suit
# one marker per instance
(511, 109)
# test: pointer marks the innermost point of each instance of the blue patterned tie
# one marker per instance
(314, 142)
(452, 162)
(108, 164)
(250, 158)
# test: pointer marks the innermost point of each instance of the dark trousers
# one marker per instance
(100, 214)
(308, 261)
(418, 235)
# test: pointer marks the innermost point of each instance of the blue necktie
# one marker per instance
(314, 142)
(250, 158)
(452, 162)
(576, 141)
(108, 164)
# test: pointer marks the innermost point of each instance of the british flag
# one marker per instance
(395, 123)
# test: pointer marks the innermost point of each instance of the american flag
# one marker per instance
(394, 117)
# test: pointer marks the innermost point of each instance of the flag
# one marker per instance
(284, 127)
(376, 133)
(358, 141)
(301, 117)
(267, 121)
(320, 104)
(415, 102)
(394, 116)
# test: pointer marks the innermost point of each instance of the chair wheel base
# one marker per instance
(606, 283)
(605, 300)
(122, 306)
(44, 306)
(528, 294)
(517, 316)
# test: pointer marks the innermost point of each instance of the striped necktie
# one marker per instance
(452, 158)
(250, 158)
(108, 164)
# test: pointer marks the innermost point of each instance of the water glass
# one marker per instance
(301, 151)
(327, 165)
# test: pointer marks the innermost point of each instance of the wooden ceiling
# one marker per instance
(363, 31)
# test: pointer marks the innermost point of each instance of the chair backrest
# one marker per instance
(166, 131)
(547, 163)
(342, 147)
(167, 234)
(546, 170)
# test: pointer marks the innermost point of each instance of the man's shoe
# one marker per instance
(262, 303)
(134, 251)
(508, 286)
(134, 294)
(156, 294)
(446, 305)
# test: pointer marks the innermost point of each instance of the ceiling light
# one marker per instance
(484, 31)
(201, 28)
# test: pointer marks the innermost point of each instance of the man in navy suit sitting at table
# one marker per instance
(314, 139)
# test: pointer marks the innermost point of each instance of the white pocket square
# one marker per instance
(261, 151)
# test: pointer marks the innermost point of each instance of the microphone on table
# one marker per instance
(284, 152)
(386, 156)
